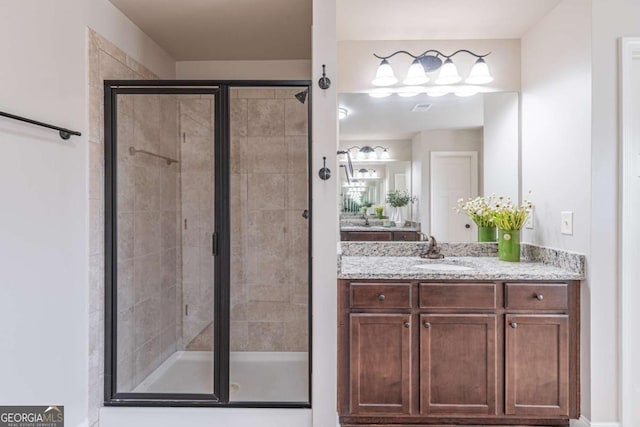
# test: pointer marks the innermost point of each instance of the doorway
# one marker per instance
(630, 230)
(454, 174)
(207, 243)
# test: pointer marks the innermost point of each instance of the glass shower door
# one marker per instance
(269, 275)
(161, 165)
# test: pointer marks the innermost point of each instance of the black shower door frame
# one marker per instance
(221, 241)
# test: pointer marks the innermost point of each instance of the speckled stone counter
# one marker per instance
(466, 268)
(471, 261)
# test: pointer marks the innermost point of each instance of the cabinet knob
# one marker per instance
(427, 324)
(407, 324)
(539, 297)
(514, 325)
(381, 297)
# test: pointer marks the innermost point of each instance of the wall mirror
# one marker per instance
(437, 149)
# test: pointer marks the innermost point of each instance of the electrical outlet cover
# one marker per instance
(566, 223)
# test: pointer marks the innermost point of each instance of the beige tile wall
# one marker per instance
(196, 147)
(107, 62)
(148, 200)
(269, 190)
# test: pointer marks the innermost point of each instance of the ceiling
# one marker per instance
(225, 29)
(438, 19)
(392, 118)
(192, 30)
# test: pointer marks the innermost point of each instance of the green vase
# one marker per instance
(487, 234)
(509, 245)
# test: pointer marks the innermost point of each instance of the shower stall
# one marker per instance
(207, 267)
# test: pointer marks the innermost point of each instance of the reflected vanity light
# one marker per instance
(342, 113)
(367, 152)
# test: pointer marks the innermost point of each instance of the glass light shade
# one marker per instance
(448, 73)
(384, 75)
(479, 73)
(380, 92)
(415, 75)
(342, 113)
(385, 155)
(362, 155)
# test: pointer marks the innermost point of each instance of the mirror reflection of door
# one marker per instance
(454, 175)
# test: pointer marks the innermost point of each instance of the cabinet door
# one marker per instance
(380, 362)
(537, 365)
(458, 364)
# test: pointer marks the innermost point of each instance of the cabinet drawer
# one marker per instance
(366, 236)
(541, 296)
(407, 236)
(380, 295)
(480, 296)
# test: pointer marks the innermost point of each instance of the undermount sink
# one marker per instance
(443, 267)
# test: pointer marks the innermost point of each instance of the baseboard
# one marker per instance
(584, 422)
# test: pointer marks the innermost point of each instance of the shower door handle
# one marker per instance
(305, 214)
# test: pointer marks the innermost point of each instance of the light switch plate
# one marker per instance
(529, 223)
(566, 223)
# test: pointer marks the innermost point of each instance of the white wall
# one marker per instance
(501, 144)
(556, 161)
(439, 140)
(611, 19)
(325, 217)
(43, 220)
(245, 70)
(43, 181)
(357, 65)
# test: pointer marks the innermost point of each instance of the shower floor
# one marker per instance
(254, 376)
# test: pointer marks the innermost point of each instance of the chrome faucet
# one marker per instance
(433, 251)
(366, 220)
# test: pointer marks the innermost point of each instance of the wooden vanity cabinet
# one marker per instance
(379, 236)
(443, 353)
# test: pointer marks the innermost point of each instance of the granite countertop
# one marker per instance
(456, 268)
(375, 228)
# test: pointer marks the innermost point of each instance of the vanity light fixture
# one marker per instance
(342, 113)
(428, 62)
(367, 152)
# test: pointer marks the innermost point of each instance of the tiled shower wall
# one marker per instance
(108, 62)
(196, 147)
(154, 208)
(269, 192)
(148, 238)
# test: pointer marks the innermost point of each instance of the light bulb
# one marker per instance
(465, 91)
(342, 113)
(448, 73)
(409, 91)
(479, 73)
(380, 92)
(437, 91)
(415, 75)
(384, 75)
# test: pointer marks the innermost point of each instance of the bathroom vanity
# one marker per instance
(461, 341)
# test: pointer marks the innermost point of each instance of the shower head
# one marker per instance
(302, 96)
